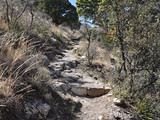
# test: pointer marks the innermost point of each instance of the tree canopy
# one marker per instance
(60, 11)
(88, 9)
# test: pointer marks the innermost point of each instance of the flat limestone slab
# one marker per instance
(80, 91)
(94, 92)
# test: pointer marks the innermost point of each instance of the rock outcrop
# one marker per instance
(36, 109)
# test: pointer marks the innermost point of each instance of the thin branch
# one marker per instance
(21, 13)
(7, 12)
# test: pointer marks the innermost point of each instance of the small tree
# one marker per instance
(11, 19)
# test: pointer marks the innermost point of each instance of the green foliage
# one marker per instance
(133, 26)
(148, 107)
(60, 11)
(88, 8)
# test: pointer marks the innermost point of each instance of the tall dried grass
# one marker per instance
(18, 63)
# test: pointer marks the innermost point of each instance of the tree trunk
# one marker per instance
(123, 53)
(89, 57)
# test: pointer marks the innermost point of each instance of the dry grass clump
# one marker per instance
(18, 64)
(99, 55)
(65, 32)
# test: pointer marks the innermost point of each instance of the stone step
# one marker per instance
(91, 92)
(71, 77)
(66, 87)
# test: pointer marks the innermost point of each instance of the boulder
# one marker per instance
(95, 92)
(80, 91)
(35, 108)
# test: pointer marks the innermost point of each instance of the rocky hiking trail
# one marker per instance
(95, 97)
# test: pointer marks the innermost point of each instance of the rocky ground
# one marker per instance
(95, 98)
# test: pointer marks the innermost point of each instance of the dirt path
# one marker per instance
(94, 108)
(93, 95)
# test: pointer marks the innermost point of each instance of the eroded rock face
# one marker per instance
(36, 109)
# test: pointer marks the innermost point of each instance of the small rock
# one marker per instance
(65, 87)
(85, 107)
(83, 57)
(44, 109)
(112, 68)
(34, 110)
(59, 56)
(26, 108)
(57, 86)
(70, 77)
(79, 91)
(85, 113)
(69, 64)
(100, 117)
(45, 60)
(75, 50)
(107, 89)
(76, 100)
(74, 64)
(113, 61)
(109, 94)
(48, 96)
(117, 101)
(28, 114)
(95, 78)
(58, 68)
(68, 71)
(53, 41)
(40, 117)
